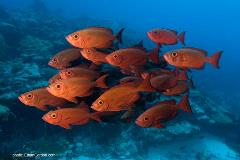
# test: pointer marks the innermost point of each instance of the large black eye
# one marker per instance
(58, 86)
(100, 102)
(53, 115)
(88, 51)
(115, 56)
(69, 73)
(29, 96)
(75, 36)
(155, 32)
(54, 60)
(174, 54)
(146, 118)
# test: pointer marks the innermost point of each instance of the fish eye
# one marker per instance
(88, 51)
(69, 73)
(53, 115)
(54, 60)
(29, 96)
(155, 32)
(174, 54)
(145, 118)
(100, 102)
(58, 86)
(75, 36)
(115, 56)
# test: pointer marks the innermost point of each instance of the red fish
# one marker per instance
(94, 37)
(65, 58)
(72, 88)
(79, 72)
(121, 97)
(94, 56)
(191, 58)
(162, 112)
(158, 71)
(131, 58)
(66, 117)
(41, 99)
(166, 37)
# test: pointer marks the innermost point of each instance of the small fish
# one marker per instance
(94, 37)
(130, 58)
(78, 72)
(180, 88)
(121, 97)
(66, 117)
(166, 37)
(65, 58)
(162, 112)
(94, 55)
(41, 99)
(191, 58)
(55, 78)
(72, 88)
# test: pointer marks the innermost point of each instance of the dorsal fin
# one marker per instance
(201, 51)
(83, 106)
(175, 32)
(102, 29)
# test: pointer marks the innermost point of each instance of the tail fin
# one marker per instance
(214, 59)
(145, 86)
(119, 35)
(96, 116)
(154, 56)
(184, 104)
(101, 81)
(181, 37)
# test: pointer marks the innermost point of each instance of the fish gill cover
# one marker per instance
(81, 87)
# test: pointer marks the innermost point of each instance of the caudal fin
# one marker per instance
(101, 81)
(119, 35)
(214, 59)
(145, 86)
(184, 104)
(181, 37)
(154, 56)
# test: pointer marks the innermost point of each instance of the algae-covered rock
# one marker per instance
(5, 113)
(31, 45)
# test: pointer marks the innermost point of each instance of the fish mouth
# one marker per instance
(108, 59)
(67, 38)
(149, 33)
(139, 123)
(20, 99)
(165, 57)
(95, 108)
(50, 63)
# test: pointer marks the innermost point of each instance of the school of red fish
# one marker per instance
(63, 99)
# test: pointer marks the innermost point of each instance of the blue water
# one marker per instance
(211, 25)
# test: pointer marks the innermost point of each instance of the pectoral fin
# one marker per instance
(65, 125)
(42, 108)
(158, 125)
(72, 99)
